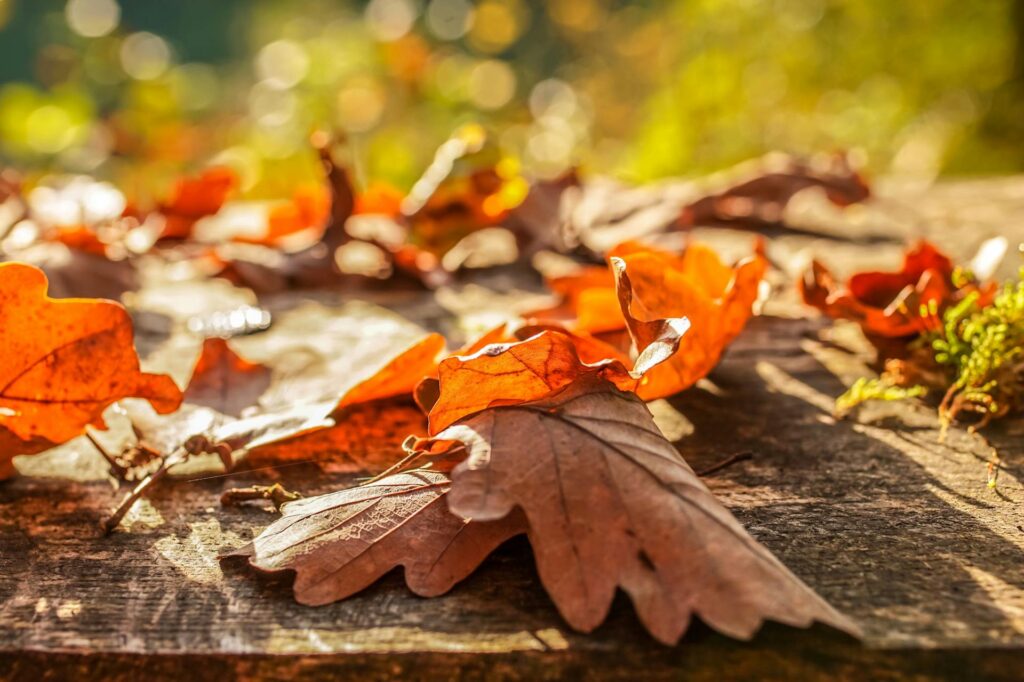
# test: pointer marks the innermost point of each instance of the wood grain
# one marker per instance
(896, 531)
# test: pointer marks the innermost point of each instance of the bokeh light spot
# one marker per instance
(282, 63)
(92, 18)
(390, 19)
(49, 129)
(449, 19)
(496, 25)
(145, 56)
(360, 106)
(492, 84)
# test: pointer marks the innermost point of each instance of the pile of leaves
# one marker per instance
(938, 331)
(539, 427)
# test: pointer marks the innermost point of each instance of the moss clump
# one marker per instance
(974, 353)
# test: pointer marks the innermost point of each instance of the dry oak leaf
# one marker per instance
(370, 420)
(644, 286)
(757, 193)
(610, 504)
(654, 286)
(524, 371)
(893, 304)
(64, 362)
(590, 349)
(221, 404)
(224, 381)
(342, 542)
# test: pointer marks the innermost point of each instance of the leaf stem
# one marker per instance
(115, 467)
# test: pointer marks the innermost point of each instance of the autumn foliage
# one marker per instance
(894, 304)
(537, 427)
(64, 362)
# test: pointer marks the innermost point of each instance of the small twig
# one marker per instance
(275, 493)
(994, 462)
(394, 468)
(115, 467)
(173, 459)
(727, 462)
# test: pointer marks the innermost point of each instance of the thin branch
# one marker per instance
(727, 462)
(276, 493)
(173, 459)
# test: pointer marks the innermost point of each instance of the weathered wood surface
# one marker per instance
(895, 530)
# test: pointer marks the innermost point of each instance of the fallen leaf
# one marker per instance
(193, 198)
(370, 420)
(342, 542)
(589, 218)
(529, 370)
(221, 408)
(65, 361)
(610, 504)
(364, 438)
(893, 304)
(399, 376)
(225, 382)
(309, 208)
(645, 286)
(757, 193)
(717, 299)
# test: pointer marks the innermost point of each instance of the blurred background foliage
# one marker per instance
(140, 91)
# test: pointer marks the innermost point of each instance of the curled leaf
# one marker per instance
(894, 304)
(755, 194)
(654, 286)
(342, 542)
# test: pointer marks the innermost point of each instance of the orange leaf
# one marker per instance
(65, 361)
(194, 198)
(513, 373)
(717, 299)
(399, 376)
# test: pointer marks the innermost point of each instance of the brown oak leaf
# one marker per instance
(342, 542)
(610, 504)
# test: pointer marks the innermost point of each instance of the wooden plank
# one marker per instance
(896, 530)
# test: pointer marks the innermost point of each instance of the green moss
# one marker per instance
(979, 348)
(865, 389)
(984, 349)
